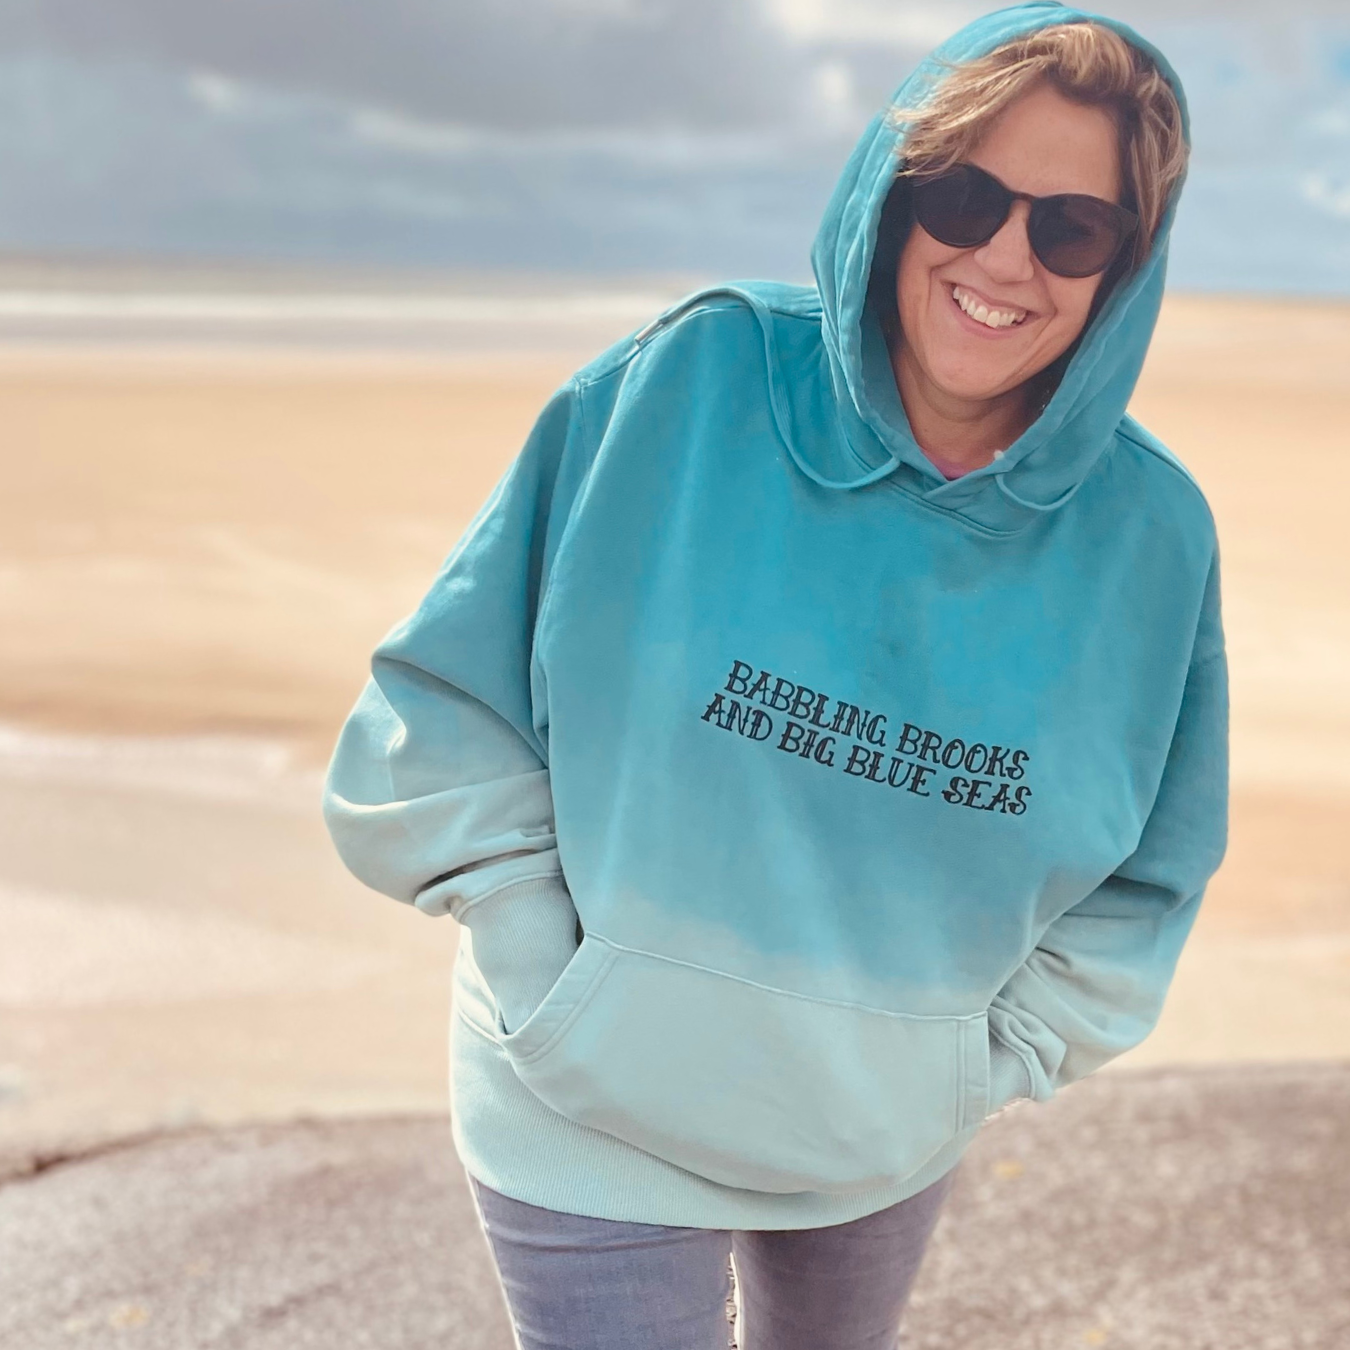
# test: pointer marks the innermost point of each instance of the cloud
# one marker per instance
(218, 93)
(508, 63)
(412, 136)
(122, 156)
(893, 23)
(1324, 192)
(531, 64)
(700, 135)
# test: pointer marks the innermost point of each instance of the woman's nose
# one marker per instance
(1008, 256)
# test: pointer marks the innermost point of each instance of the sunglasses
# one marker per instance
(1073, 235)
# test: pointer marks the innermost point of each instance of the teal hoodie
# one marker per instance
(802, 809)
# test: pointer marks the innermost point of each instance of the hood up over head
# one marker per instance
(1044, 467)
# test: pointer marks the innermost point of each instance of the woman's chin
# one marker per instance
(976, 387)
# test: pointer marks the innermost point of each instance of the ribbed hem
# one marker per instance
(523, 936)
(1009, 1077)
(507, 1138)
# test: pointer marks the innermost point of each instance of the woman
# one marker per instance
(820, 733)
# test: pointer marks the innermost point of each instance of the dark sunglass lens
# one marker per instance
(960, 208)
(1075, 236)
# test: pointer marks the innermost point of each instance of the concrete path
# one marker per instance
(1159, 1209)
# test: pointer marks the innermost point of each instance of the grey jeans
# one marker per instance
(576, 1283)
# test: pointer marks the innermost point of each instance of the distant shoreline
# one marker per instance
(188, 315)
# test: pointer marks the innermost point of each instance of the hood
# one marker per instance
(1042, 469)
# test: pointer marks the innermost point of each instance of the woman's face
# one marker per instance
(1042, 144)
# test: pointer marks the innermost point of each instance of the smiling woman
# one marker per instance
(1036, 176)
(806, 805)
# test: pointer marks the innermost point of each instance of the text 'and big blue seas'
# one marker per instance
(843, 736)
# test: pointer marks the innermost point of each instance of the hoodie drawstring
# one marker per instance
(782, 423)
(1043, 507)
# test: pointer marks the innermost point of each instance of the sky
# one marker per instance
(619, 136)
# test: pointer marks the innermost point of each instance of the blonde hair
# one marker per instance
(1087, 63)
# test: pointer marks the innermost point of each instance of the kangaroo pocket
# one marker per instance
(747, 1085)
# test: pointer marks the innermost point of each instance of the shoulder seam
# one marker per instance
(718, 299)
(1166, 459)
(644, 334)
(1171, 463)
(579, 391)
(581, 382)
(713, 301)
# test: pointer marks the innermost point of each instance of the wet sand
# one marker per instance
(197, 552)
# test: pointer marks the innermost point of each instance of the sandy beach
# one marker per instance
(198, 550)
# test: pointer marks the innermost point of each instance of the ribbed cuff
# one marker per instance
(1009, 1077)
(523, 937)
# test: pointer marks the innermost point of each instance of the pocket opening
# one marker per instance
(565, 1001)
(745, 1084)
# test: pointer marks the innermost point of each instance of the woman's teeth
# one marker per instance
(981, 313)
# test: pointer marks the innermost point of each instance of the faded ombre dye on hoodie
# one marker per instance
(875, 801)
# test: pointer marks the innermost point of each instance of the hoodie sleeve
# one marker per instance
(1094, 985)
(438, 789)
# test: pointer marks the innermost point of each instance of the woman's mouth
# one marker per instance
(982, 313)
